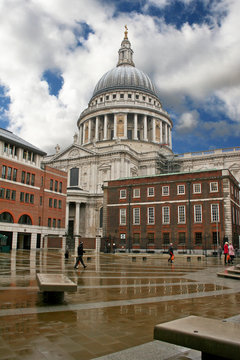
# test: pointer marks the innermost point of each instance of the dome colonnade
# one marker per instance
(126, 106)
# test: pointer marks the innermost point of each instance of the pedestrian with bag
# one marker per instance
(225, 251)
(231, 253)
(170, 251)
(79, 259)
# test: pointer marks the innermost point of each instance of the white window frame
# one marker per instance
(151, 217)
(212, 184)
(123, 194)
(165, 188)
(195, 186)
(215, 215)
(181, 189)
(136, 216)
(181, 214)
(166, 214)
(123, 216)
(198, 213)
(149, 189)
(136, 193)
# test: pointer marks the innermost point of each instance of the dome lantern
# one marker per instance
(125, 53)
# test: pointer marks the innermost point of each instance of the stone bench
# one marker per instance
(194, 257)
(53, 286)
(216, 339)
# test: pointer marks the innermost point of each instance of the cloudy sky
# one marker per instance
(53, 52)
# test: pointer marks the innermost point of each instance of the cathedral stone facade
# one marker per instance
(124, 132)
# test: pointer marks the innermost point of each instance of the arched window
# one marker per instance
(25, 219)
(6, 217)
(101, 217)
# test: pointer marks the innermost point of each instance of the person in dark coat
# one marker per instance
(170, 251)
(80, 256)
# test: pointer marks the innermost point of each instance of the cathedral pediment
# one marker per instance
(72, 152)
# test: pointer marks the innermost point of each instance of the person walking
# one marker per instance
(170, 251)
(220, 251)
(80, 256)
(231, 253)
(225, 251)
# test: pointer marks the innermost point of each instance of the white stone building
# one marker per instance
(124, 132)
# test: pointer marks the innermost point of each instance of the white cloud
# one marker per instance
(196, 61)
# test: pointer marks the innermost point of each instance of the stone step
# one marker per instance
(230, 274)
(234, 270)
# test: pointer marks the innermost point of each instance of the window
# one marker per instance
(123, 213)
(51, 184)
(60, 204)
(114, 96)
(23, 177)
(197, 188)
(150, 191)
(54, 223)
(136, 216)
(151, 216)
(33, 180)
(9, 173)
(213, 187)
(150, 237)
(39, 221)
(2, 193)
(55, 203)
(74, 177)
(26, 198)
(4, 171)
(214, 213)
(60, 187)
(21, 196)
(107, 97)
(181, 189)
(182, 238)
(24, 154)
(123, 194)
(137, 96)
(197, 213)
(166, 238)
(50, 202)
(8, 194)
(181, 214)
(40, 200)
(25, 219)
(136, 193)
(121, 96)
(14, 174)
(144, 98)
(59, 223)
(6, 217)
(56, 185)
(49, 222)
(215, 237)
(165, 190)
(136, 238)
(166, 215)
(31, 198)
(28, 178)
(198, 238)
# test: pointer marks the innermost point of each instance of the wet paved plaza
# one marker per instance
(117, 304)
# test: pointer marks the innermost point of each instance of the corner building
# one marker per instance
(195, 211)
(32, 196)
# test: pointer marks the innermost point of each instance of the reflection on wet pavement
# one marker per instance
(116, 306)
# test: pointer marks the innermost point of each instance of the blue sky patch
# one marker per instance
(54, 80)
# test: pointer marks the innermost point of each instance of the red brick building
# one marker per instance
(32, 196)
(195, 210)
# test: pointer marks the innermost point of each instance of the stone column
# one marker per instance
(115, 127)
(125, 126)
(105, 127)
(145, 128)
(84, 130)
(135, 136)
(67, 216)
(14, 240)
(170, 137)
(96, 128)
(161, 139)
(89, 129)
(33, 241)
(77, 217)
(153, 130)
(80, 135)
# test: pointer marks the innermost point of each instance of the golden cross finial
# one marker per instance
(126, 32)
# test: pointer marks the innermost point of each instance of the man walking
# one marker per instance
(80, 255)
(170, 251)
